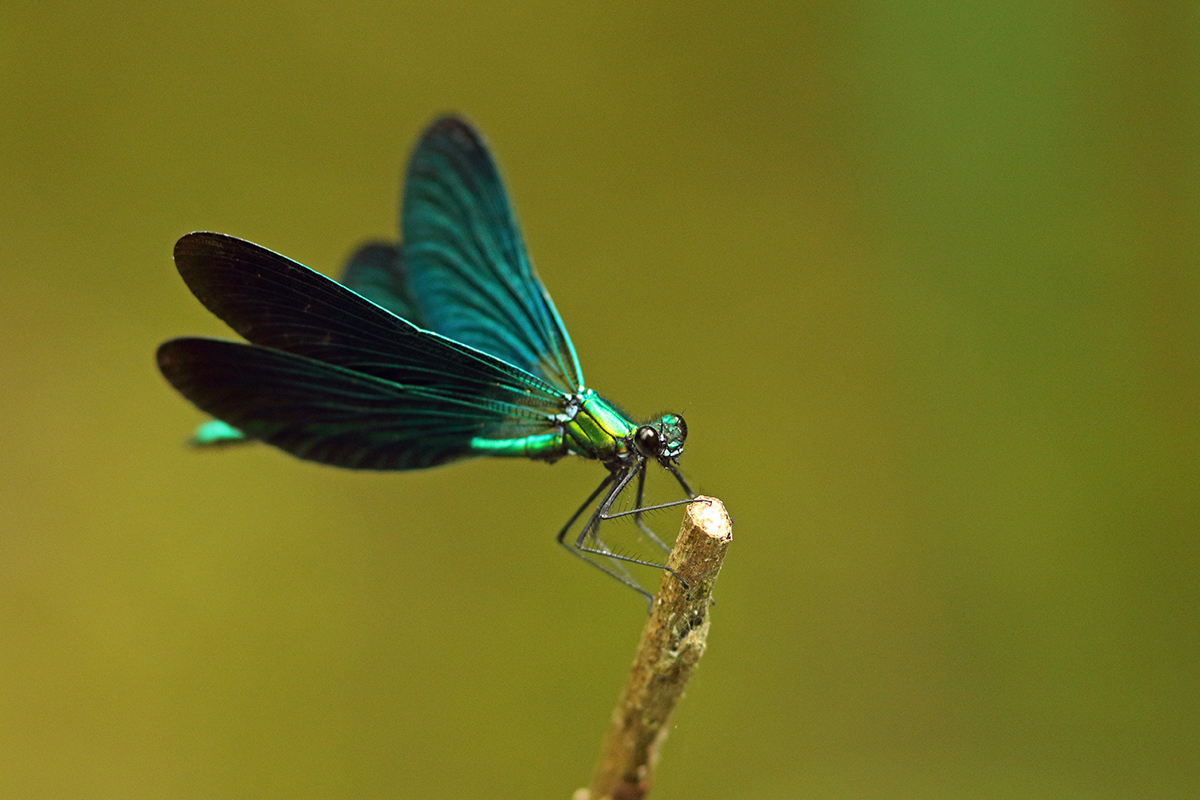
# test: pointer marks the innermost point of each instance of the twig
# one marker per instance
(672, 643)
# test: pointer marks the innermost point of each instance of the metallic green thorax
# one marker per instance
(588, 426)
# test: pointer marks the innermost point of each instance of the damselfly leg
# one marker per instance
(589, 545)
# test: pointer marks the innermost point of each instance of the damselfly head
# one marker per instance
(662, 439)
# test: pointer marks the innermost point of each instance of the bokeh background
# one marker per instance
(922, 276)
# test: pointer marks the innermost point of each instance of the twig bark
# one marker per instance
(672, 642)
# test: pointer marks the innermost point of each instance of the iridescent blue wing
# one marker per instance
(465, 261)
(376, 271)
(444, 393)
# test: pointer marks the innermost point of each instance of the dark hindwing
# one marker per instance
(325, 413)
(465, 261)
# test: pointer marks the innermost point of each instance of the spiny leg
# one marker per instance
(674, 470)
(637, 517)
(601, 515)
(577, 550)
(638, 509)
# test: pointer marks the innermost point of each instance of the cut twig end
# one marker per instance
(697, 556)
(708, 514)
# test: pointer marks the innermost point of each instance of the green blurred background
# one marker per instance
(924, 278)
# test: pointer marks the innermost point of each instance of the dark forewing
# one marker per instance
(466, 261)
(277, 303)
(325, 413)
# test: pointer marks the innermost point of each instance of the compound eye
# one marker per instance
(648, 441)
(682, 426)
